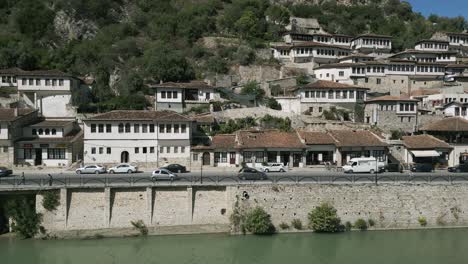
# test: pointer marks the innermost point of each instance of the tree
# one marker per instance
(258, 222)
(272, 103)
(324, 219)
(278, 15)
(26, 220)
(252, 88)
(248, 25)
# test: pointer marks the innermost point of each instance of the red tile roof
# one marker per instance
(389, 98)
(224, 141)
(423, 142)
(327, 85)
(8, 114)
(356, 138)
(451, 124)
(268, 139)
(195, 84)
(316, 138)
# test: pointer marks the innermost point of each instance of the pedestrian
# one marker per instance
(50, 179)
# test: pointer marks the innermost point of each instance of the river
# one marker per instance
(382, 247)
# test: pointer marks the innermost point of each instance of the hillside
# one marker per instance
(123, 43)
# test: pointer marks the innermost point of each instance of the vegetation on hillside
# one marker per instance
(122, 43)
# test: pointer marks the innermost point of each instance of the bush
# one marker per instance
(371, 222)
(26, 222)
(140, 226)
(422, 221)
(272, 103)
(258, 222)
(324, 219)
(284, 226)
(51, 199)
(348, 226)
(360, 224)
(297, 224)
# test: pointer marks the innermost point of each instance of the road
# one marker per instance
(41, 179)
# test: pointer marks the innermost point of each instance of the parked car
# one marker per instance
(123, 168)
(422, 167)
(96, 169)
(393, 167)
(4, 172)
(366, 165)
(274, 167)
(175, 168)
(459, 168)
(163, 174)
(251, 174)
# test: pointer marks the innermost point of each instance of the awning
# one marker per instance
(425, 153)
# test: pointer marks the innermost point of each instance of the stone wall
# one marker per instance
(389, 205)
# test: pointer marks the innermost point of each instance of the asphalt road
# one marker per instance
(41, 179)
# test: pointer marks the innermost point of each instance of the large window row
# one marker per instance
(172, 149)
(340, 94)
(435, 46)
(169, 94)
(8, 79)
(172, 128)
(37, 81)
(46, 131)
(380, 42)
(399, 68)
(407, 107)
(430, 69)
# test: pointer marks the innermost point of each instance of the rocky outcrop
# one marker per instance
(69, 28)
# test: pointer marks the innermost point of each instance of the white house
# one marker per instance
(309, 51)
(182, 96)
(51, 143)
(8, 77)
(427, 56)
(432, 45)
(372, 43)
(149, 138)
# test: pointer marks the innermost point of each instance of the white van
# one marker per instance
(367, 165)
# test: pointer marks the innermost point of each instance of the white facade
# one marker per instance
(143, 141)
(430, 45)
(371, 42)
(438, 100)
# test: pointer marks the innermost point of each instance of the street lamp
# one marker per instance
(201, 169)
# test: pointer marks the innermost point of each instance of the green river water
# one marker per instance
(443, 246)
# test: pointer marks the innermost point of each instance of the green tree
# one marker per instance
(26, 221)
(258, 222)
(278, 14)
(248, 25)
(253, 88)
(324, 219)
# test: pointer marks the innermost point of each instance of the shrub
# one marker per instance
(360, 224)
(422, 221)
(284, 226)
(258, 222)
(51, 199)
(272, 103)
(371, 222)
(348, 226)
(323, 218)
(297, 224)
(26, 222)
(140, 226)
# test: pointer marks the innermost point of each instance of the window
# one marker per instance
(195, 156)
(108, 128)
(31, 81)
(174, 95)
(320, 109)
(176, 149)
(93, 128)
(109, 151)
(28, 153)
(217, 156)
(330, 94)
(56, 153)
(151, 149)
(145, 149)
(101, 150)
(307, 94)
(401, 107)
(54, 82)
(351, 94)
(127, 128)
(144, 128)
(38, 81)
(161, 150)
(93, 150)
(151, 128)
(101, 128)
(163, 94)
(176, 128)
(47, 131)
(366, 80)
(169, 128)
(183, 128)
(137, 150)
(411, 107)
(23, 81)
(47, 82)
(247, 156)
(34, 131)
(379, 81)
(60, 82)
(136, 128)
(169, 95)
(168, 149)
(182, 149)
(341, 73)
(121, 128)
(224, 157)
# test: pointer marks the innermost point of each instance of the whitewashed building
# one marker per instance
(372, 43)
(313, 52)
(182, 96)
(50, 143)
(148, 138)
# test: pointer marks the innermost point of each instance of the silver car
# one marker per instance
(163, 174)
(91, 169)
(123, 168)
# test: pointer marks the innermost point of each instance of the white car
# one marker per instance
(274, 167)
(163, 174)
(96, 169)
(123, 168)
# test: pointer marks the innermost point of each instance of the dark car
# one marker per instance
(459, 168)
(422, 167)
(393, 167)
(175, 168)
(251, 174)
(4, 172)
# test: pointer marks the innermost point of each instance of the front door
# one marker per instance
(232, 158)
(38, 159)
(285, 158)
(124, 157)
(297, 158)
(206, 158)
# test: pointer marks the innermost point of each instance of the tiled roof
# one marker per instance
(69, 138)
(321, 84)
(316, 138)
(224, 141)
(307, 44)
(390, 98)
(423, 142)
(356, 138)
(11, 71)
(204, 118)
(413, 51)
(56, 73)
(8, 114)
(432, 40)
(457, 66)
(140, 115)
(369, 35)
(450, 124)
(421, 92)
(339, 65)
(356, 55)
(187, 85)
(53, 123)
(268, 139)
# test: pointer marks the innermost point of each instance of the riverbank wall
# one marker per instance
(206, 209)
